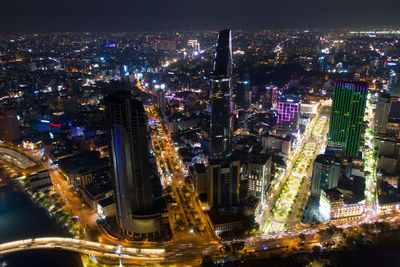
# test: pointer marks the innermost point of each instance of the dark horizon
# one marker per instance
(42, 16)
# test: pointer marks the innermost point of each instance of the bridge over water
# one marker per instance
(113, 252)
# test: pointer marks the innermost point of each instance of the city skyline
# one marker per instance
(199, 148)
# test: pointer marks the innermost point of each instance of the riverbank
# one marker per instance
(50, 202)
(20, 218)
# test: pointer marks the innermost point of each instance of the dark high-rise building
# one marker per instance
(221, 98)
(243, 94)
(129, 153)
(347, 115)
(393, 118)
(224, 185)
(382, 112)
(9, 126)
(161, 101)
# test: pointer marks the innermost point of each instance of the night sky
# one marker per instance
(133, 15)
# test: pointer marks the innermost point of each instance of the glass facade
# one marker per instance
(221, 98)
(127, 130)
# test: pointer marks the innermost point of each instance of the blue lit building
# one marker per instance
(129, 153)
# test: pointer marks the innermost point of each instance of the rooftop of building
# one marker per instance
(95, 190)
(385, 95)
(333, 194)
(106, 202)
(225, 162)
(258, 158)
(40, 172)
(352, 83)
(60, 152)
(118, 97)
(200, 168)
(83, 162)
(286, 137)
(220, 218)
(46, 185)
(37, 178)
(251, 201)
(326, 158)
(290, 99)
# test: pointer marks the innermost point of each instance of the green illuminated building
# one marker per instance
(347, 115)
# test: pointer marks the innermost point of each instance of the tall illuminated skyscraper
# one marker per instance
(224, 172)
(221, 98)
(129, 153)
(347, 115)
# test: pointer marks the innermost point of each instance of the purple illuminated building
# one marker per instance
(288, 114)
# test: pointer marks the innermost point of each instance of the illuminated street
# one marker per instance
(289, 182)
(187, 218)
(192, 231)
(370, 162)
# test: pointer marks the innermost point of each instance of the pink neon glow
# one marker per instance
(272, 95)
(172, 96)
(287, 111)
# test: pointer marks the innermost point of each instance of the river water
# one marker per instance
(20, 218)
